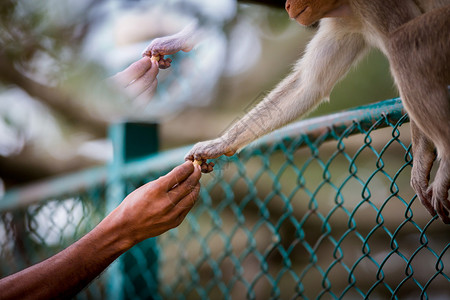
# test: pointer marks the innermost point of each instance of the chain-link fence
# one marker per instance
(31, 234)
(320, 209)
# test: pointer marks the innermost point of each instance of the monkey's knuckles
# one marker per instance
(431, 201)
(207, 167)
(434, 198)
(165, 46)
(165, 63)
(207, 150)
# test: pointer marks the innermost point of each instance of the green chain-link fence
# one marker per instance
(321, 209)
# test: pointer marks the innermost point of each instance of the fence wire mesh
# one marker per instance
(34, 233)
(323, 214)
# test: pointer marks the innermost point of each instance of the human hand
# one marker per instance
(159, 205)
(138, 81)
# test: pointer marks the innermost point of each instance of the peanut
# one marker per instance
(156, 58)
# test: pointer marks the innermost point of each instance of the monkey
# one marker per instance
(414, 35)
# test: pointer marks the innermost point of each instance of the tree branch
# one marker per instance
(56, 99)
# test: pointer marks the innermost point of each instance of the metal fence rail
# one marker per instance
(320, 209)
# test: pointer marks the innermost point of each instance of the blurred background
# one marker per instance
(55, 106)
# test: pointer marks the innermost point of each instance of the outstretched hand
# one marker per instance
(138, 81)
(159, 205)
(147, 212)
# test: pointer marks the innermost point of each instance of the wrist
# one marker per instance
(115, 234)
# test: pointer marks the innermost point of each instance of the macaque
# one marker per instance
(415, 37)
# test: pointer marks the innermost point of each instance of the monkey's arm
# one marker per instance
(328, 57)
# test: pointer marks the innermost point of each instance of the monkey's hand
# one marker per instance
(168, 45)
(209, 150)
(435, 200)
(184, 40)
(163, 63)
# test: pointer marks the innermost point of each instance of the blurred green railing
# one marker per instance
(317, 210)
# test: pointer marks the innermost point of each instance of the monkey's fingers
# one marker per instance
(207, 167)
(164, 63)
(442, 212)
(425, 196)
(440, 205)
(209, 150)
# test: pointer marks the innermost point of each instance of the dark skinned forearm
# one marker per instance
(63, 275)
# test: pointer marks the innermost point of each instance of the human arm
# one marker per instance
(147, 212)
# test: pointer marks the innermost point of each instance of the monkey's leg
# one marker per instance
(420, 56)
(431, 126)
(424, 156)
(429, 107)
(430, 111)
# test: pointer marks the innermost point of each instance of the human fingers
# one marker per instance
(191, 199)
(134, 71)
(188, 201)
(181, 190)
(176, 176)
(146, 95)
(142, 83)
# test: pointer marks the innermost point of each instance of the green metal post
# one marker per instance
(131, 141)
